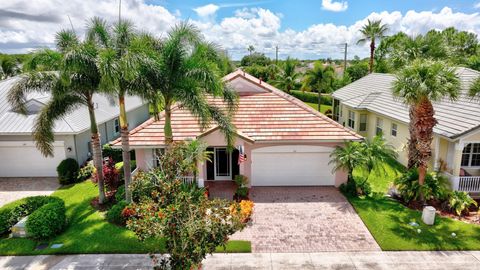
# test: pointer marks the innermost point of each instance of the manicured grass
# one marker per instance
(382, 177)
(388, 222)
(89, 232)
(323, 108)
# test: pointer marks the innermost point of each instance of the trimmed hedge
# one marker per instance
(310, 97)
(114, 215)
(47, 221)
(11, 213)
(67, 171)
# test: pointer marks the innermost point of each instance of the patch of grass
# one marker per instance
(237, 246)
(382, 177)
(89, 232)
(388, 222)
(323, 108)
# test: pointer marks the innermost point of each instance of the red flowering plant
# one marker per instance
(191, 224)
(110, 175)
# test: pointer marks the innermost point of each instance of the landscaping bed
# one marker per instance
(89, 232)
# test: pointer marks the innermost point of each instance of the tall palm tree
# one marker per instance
(72, 86)
(181, 70)
(348, 157)
(117, 68)
(251, 49)
(372, 31)
(418, 85)
(288, 75)
(319, 78)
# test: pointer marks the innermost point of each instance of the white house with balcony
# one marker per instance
(368, 107)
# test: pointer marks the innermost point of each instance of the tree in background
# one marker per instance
(357, 69)
(288, 75)
(418, 85)
(319, 79)
(72, 86)
(258, 59)
(372, 31)
(9, 66)
(251, 49)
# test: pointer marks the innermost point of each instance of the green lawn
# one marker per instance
(388, 220)
(323, 108)
(89, 232)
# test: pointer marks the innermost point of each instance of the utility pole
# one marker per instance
(276, 55)
(119, 10)
(345, 59)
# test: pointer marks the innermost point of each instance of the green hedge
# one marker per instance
(11, 213)
(67, 171)
(47, 221)
(310, 97)
(114, 215)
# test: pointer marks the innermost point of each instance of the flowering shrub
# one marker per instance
(110, 175)
(244, 209)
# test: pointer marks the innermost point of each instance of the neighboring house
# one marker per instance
(368, 107)
(20, 158)
(286, 142)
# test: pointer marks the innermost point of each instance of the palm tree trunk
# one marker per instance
(167, 129)
(372, 51)
(97, 152)
(413, 155)
(424, 123)
(319, 99)
(127, 172)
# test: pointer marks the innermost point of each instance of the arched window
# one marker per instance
(471, 155)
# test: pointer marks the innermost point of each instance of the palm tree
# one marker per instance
(116, 63)
(377, 151)
(371, 31)
(251, 49)
(418, 85)
(319, 78)
(288, 75)
(474, 90)
(348, 157)
(181, 70)
(71, 87)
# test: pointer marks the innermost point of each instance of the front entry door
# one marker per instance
(223, 164)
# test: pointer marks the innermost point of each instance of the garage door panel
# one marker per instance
(22, 159)
(283, 168)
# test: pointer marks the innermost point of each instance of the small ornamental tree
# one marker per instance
(110, 175)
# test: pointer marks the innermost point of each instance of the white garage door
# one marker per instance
(22, 159)
(292, 165)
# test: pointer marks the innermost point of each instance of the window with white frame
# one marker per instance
(393, 131)
(471, 155)
(379, 126)
(336, 109)
(363, 122)
(351, 119)
(117, 126)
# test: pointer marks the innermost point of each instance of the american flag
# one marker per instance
(241, 154)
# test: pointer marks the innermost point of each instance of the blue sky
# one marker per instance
(306, 29)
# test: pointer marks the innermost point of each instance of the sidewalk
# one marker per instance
(326, 260)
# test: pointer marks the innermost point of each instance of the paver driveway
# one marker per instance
(12, 189)
(304, 219)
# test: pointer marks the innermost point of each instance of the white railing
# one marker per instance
(188, 179)
(134, 172)
(465, 183)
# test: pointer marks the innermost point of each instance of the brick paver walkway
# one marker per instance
(12, 189)
(304, 219)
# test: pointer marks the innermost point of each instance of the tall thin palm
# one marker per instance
(288, 75)
(418, 85)
(71, 87)
(372, 31)
(319, 78)
(181, 70)
(117, 68)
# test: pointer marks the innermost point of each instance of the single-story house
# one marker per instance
(20, 158)
(368, 107)
(286, 143)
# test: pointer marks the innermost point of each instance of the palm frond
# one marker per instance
(474, 90)
(43, 60)
(98, 32)
(65, 40)
(58, 107)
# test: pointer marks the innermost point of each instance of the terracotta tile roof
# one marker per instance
(271, 115)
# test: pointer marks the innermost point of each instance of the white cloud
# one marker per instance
(334, 6)
(207, 10)
(35, 22)
(477, 5)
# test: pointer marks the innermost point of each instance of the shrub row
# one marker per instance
(47, 221)
(311, 97)
(11, 213)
